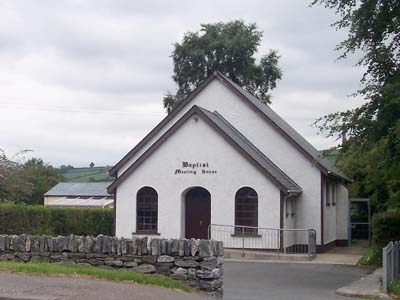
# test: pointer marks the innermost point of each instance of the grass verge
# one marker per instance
(95, 272)
(371, 258)
(394, 288)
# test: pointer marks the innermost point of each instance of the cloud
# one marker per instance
(85, 79)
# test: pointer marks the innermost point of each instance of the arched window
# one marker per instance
(246, 210)
(146, 210)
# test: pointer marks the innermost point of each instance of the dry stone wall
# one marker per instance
(197, 262)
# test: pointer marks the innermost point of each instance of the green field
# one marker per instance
(87, 174)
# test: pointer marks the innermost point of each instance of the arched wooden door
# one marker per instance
(197, 213)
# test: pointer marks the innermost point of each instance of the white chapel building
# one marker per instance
(223, 157)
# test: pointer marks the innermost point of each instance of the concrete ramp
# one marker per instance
(249, 255)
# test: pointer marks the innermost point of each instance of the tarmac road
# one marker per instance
(287, 281)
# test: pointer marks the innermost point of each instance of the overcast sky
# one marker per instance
(83, 81)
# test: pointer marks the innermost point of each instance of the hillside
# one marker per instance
(87, 174)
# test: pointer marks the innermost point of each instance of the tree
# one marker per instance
(65, 169)
(26, 182)
(229, 48)
(91, 164)
(370, 153)
(41, 177)
(374, 28)
(13, 187)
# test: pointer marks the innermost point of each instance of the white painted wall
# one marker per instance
(342, 213)
(289, 222)
(336, 216)
(329, 223)
(218, 97)
(49, 199)
(196, 142)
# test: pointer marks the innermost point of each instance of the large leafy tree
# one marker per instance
(370, 153)
(41, 177)
(13, 187)
(26, 182)
(229, 48)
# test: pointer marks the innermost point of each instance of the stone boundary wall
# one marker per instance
(197, 262)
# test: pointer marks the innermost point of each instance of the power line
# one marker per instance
(52, 108)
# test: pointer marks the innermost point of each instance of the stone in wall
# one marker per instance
(2, 243)
(205, 249)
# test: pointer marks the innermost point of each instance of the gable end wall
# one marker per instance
(263, 135)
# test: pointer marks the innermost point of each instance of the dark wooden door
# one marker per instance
(197, 213)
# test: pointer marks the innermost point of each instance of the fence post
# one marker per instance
(395, 259)
(283, 241)
(384, 269)
(392, 275)
(243, 254)
(398, 257)
(312, 235)
(278, 241)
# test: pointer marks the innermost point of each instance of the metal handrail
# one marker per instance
(252, 227)
(278, 240)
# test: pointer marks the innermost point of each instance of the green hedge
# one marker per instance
(385, 227)
(38, 220)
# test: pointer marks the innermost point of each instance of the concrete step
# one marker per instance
(23, 296)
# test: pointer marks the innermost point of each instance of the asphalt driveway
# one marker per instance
(286, 281)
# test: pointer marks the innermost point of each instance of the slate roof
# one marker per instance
(288, 130)
(282, 126)
(234, 137)
(80, 189)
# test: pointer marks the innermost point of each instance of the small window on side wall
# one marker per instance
(146, 210)
(328, 193)
(287, 207)
(334, 193)
(292, 206)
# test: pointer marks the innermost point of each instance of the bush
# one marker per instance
(38, 220)
(371, 258)
(394, 288)
(385, 228)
